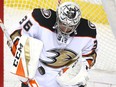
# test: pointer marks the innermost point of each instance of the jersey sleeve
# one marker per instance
(89, 52)
(90, 48)
(26, 26)
(29, 26)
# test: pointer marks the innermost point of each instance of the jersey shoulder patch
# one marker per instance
(91, 25)
(45, 17)
(86, 29)
(46, 13)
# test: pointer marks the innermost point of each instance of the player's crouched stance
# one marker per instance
(65, 48)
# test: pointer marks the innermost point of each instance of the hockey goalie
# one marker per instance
(54, 48)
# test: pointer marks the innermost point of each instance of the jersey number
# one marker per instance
(27, 25)
(95, 45)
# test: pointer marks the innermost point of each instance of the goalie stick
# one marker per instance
(10, 43)
(31, 83)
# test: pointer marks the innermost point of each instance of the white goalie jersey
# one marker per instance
(55, 55)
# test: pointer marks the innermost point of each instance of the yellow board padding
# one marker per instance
(93, 12)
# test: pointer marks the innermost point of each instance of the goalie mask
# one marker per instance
(68, 18)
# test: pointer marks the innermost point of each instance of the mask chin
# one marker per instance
(65, 28)
(62, 38)
(63, 35)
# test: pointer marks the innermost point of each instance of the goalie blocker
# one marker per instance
(26, 51)
(25, 59)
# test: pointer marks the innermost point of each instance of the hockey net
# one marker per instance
(93, 10)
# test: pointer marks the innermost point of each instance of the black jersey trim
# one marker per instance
(83, 30)
(43, 21)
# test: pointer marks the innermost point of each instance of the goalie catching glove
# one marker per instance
(76, 75)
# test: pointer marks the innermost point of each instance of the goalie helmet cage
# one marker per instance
(103, 74)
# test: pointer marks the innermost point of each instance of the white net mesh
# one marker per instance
(91, 9)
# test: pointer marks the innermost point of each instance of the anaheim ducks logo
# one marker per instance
(61, 57)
